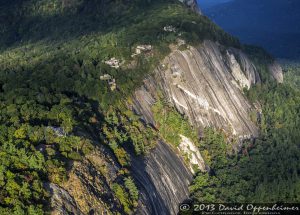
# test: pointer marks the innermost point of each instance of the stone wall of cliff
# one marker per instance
(204, 83)
(161, 176)
(192, 4)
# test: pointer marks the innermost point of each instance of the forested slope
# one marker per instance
(74, 138)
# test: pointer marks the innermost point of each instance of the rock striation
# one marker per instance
(205, 84)
(163, 180)
(193, 154)
(242, 69)
(161, 176)
(61, 201)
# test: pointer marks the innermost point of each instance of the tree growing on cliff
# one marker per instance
(132, 189)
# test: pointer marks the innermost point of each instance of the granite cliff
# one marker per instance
(192, 4)
(205, 83)
(161, 176)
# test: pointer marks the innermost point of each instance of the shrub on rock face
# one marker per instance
(132, 189)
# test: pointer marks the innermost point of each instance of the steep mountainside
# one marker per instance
(162, 177)
(104, 104)
(268, 23)
(205, 85)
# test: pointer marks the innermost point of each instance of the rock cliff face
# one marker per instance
(204, 84)
(62, 202)
(242, 69)
(163, 180)
(87, 189)
(276, 72)
(192, 4)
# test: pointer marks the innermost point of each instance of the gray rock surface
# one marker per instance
(192, 4)
(61, 201)
(276, 71)
(242, 69)
(163, 180)
(201, 84)
(161, 177)
(87, 189)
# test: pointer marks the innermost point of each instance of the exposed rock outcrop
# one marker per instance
(276, 71)
(242, 69)
(88, 183)
(163, 180)
(193, 154)
(62, 202)
(87, 189)
(192, 4)
(202, 83)
(205, 84)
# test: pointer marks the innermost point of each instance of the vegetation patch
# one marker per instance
(171, 124)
